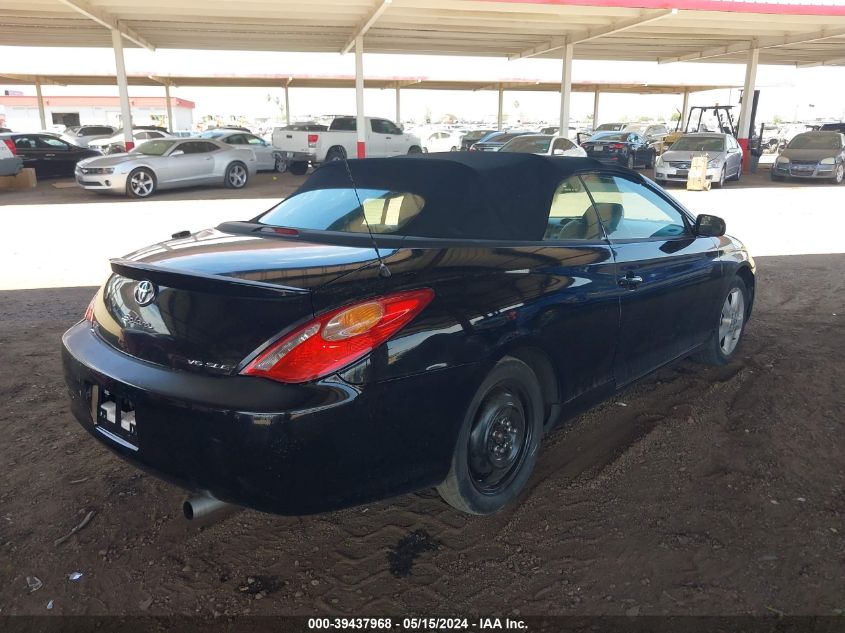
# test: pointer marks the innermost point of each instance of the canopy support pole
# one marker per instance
(747, 104)
(685, 111)
(287, 103)
(596, 96)
(500, 114)
(42, 114)
(169, 107)
(565, 88)
(359, 97)
(398, 107)
(123, 89)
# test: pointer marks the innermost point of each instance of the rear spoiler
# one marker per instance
(202, 282)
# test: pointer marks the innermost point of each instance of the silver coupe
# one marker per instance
(268, 157)
(167, 164)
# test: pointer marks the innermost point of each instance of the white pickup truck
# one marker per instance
(301, 148)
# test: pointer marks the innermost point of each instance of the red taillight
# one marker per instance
(11, 145)
(338, 338)
(617, 146)
(312, 140)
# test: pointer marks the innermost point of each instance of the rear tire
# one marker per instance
(724, 340)
(415, 149)
(775, 177)
(280, 165)
(236, 177)
(630, 163)
(141, 183)
(498, 442)
(298, 168)
(335, 153)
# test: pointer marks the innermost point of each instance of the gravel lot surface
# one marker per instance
(712, 491)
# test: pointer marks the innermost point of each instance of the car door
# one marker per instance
(668, 279)
(637, 147)
(32, 152)
(377, 144)
(578, 313)
(189, 162)
(61, 157)
(264, 155)
(734, 157)
(565, 147)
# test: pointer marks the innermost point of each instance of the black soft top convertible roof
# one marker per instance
(473, 195)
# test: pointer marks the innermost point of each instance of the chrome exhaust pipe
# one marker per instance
(204, 505)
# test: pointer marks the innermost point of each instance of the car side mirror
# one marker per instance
(709, 226)
(178, 152)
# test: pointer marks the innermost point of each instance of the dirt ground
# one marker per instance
(698, 491)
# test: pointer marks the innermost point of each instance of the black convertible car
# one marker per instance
(398, 324)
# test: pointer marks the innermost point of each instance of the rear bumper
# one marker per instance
(287, 449)
(296, 157)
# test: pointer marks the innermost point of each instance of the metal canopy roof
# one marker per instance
(348, 81)
(802, 32)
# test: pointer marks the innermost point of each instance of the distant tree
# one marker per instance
(280, 104)
(777, 120)
(676, 116)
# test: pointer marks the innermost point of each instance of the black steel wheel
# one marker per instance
(415, 149)
(498, 442)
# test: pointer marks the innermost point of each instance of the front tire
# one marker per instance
(280, 165)
(498, 443)
(630, 163)
(775, 177)
(722, 177)
(839, 174)
(140, 183)
(236, 176)
(723, 342)
(415, 149)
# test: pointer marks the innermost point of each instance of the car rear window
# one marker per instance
(339, 210)
(95, 129)
(528, 144)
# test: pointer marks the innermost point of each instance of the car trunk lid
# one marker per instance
(206, 302)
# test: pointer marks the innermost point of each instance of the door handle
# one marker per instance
(630, 281)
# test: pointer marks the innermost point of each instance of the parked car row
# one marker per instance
(161, 161)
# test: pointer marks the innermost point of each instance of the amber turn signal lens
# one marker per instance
(356, 320)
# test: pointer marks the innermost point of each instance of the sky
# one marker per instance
(786, 92)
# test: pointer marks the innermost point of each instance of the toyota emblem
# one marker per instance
(145, 293)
